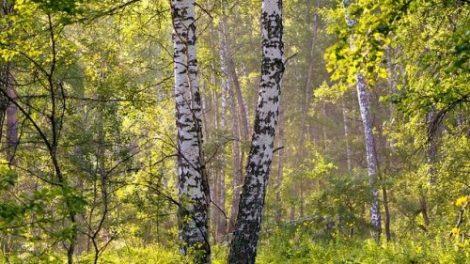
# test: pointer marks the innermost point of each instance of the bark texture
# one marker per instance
(192, 182)
(247, 227)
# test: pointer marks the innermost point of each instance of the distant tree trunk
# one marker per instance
(232, 74)
(247, 227)
(280, 167)
(193, 190)
(431, 156)
(371, 152)
(236, 166)
(230, 78)
(431, 152)
(346, 136)
(306, 101)
(292, 214)
(7, 106)
(12, 121)
(388, 233)
(323, 128)
(387, 145)
(221, 228)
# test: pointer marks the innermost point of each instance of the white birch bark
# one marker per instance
(247, 227)
(192, 183)
(371, 153)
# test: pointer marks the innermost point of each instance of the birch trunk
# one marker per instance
(192, 182)
(371, 152)
(247, 227)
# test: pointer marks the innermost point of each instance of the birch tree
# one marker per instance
(247, 226)
(371, 152)
(192, 182)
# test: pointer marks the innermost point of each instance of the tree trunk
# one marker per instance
(236, 166)
(371, 153)
(221, 219)
(280, 167)
(192, 182)
(388, 232)
(7, 106)
(247, 227)
(12, 121)
(346, 136)
(231, 73)
(431, 152)
(230, 84)
(306, 104)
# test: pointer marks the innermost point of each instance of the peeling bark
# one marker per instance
(247, 227)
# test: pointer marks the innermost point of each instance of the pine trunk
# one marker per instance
(192, 183)
(247, 227)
